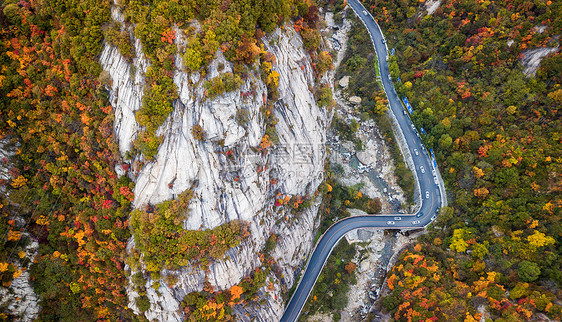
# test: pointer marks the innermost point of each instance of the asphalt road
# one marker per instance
(424, 175)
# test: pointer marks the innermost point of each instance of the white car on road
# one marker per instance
(415, 222)
(427, 195)
(422, 169)
(365, 12)
(397, 218)
(390, 223)
(416, 152)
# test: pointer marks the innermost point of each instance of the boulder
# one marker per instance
(344, 81)
(355, 100)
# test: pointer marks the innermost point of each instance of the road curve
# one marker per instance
(425, 174)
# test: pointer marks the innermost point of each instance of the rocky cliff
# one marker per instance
(241, 184)
(18, 296)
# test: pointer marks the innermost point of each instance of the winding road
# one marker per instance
(426, 175)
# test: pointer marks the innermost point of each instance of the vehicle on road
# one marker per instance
(427, 195)
(416, 152)
(433, 172)
(397, 218)
(328, 241)
(433, 218)
(435, 180)
(404, 112)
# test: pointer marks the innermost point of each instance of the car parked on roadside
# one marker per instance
(433, 218)
(365, 12)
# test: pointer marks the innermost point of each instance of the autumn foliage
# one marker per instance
(211, 305)
(494, 126)
(56, 111)
(164, 244)
(421, 280)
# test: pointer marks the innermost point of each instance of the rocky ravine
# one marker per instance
(18, 298)
(229, 189)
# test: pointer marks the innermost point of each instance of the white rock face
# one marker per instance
(5, 164)
(344, 81)
(532, 59)
(230, 187)
(431, 6)
(20, 298)
(126, 91)
(540, 28)
(355, 100)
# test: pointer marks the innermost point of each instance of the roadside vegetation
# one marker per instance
(329, 295)
(337, 198)
(496, 135)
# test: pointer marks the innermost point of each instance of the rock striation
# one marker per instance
(232, 178)
(18, 298)
(531, 59)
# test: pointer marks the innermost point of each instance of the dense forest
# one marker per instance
(496, 132)
(62, 187)
(54, 111)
